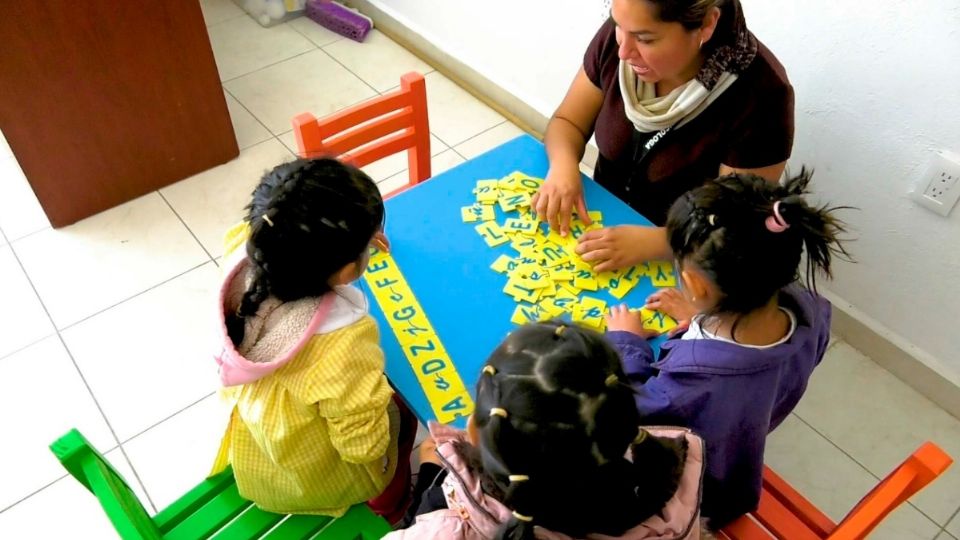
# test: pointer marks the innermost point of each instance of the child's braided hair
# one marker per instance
(555, 424)
(308, 219)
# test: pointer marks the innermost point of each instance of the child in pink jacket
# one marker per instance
(554, 452)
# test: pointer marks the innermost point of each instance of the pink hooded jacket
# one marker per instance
(287, 337)
(473, 515)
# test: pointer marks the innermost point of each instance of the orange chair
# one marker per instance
(373, 130)
(784, 513)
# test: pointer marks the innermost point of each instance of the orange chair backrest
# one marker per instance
(921, 468)
(785, 513)
(374, 129)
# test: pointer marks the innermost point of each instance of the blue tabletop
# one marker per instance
(447, 264)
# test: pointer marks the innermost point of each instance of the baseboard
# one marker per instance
(891, 351)
(912, 365)
(493, 95)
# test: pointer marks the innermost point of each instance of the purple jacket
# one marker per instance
(732, 396)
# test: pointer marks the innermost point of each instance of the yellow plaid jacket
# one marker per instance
(319, 434)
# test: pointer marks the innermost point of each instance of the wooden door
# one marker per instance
(104, 101)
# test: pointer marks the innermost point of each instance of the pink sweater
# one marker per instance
(473, 515)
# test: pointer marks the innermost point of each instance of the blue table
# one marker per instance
(447, 264)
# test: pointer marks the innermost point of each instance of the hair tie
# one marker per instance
(267, 219)
(776, 223)
(612, 380)
(497, 411)
(518, 478)
(489, 370)
(559, 330)
(522, 517)
(640, 436)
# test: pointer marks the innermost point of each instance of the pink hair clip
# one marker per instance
(776, 223)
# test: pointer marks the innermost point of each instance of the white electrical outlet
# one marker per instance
(939, 187)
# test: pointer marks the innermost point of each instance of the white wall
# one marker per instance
(878, 91)
(531, 48)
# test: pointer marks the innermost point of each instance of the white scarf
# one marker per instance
(650, 113)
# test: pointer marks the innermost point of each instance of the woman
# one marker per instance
(676, 92)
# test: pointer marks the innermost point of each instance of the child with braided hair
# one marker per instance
(554, 451)
(744, 362)
(314, 426)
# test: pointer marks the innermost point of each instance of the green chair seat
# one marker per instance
(212, 509)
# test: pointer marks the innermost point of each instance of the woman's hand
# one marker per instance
(622, 319)
(559, 196)
(622, 246)
(672, 302)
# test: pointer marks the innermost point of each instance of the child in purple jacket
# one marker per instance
(743, 363)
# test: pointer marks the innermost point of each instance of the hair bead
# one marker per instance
(640, 436)
(497, 411)
(267, 220)
(612, 380)
(522, 517)
(489, 370)
(775, 223)
(518, 478)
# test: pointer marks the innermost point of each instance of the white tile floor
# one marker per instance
(104, 324)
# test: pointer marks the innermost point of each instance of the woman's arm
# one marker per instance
(567, 134)
(770, 172)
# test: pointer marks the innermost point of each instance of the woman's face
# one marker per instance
(657, 51)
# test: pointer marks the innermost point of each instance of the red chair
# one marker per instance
(373, 130)
(785, 514)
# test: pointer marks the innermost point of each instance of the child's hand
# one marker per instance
(381, 242)
(428, 451)
(622, 319)
(672, 302)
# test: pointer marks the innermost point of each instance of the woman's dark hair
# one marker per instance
(728, 229)
(308, 219)
(555, 423)
(690, 14)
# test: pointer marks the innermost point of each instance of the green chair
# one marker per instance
(212, 509)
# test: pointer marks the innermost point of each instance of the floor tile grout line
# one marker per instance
(315, 48)
(32, 493)
(65, 347)
(118, 446)
(350, 71)
(148, 289)
(103, 413)
(140, 481)
(28, 235)
(294, 28)
(28, 345)
(185, 226)
(258, 121)
(864, 467)
(228, 19)
(392, 88)
(164, 419)
(477, 135)
(54, 481)
(955, 515)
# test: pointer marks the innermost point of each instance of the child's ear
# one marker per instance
(696, 284)
(347, 274)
